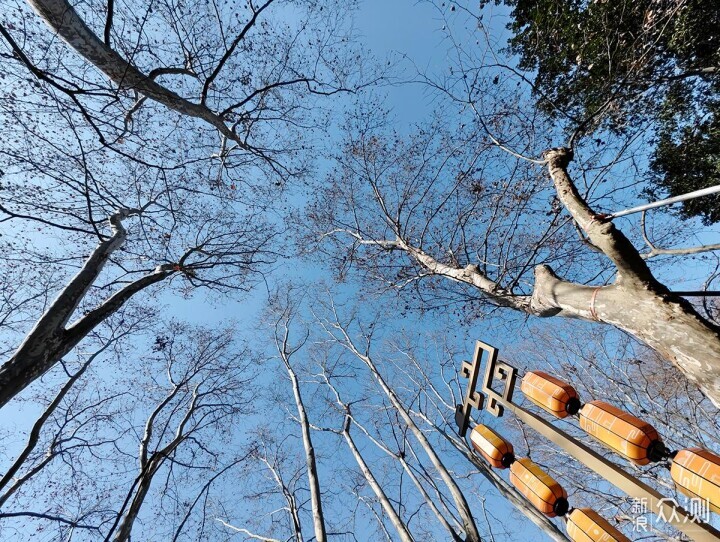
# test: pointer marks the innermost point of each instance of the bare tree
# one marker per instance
(286, 351)
(218, 245)
(450, 205)
(207, 391)
(433, 409)
(371, 480)
(335, 326)
(95, 438)
(236, 68)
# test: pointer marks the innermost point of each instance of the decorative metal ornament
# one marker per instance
(551, 394)
(586, 525)
(495, 369)
(539, 488)
(496, 401)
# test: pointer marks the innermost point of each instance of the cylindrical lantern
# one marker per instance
(495, 449)
(625, 434)
(697, 474)
(585, 525)
(539, 488)
(555, 396)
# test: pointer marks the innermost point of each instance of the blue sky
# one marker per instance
(390, 29)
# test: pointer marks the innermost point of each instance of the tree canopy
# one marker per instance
(624, 65)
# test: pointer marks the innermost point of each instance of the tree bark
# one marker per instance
(50, 339)
(416, 482)
(311, 464)
(637, 302)
(65, 21)
(128, 520)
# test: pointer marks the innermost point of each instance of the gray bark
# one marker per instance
(636, 302)
(50, 339)
(150, 463)
(65, 21)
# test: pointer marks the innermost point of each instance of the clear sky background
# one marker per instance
(408, 33)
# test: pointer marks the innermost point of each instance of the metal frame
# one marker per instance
(497, 402)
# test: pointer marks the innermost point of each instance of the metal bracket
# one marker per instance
(494, 369)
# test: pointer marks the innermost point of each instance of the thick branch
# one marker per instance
(49, 340)
(469, 274)
(65, 21)
(601, 232)
(655, 251)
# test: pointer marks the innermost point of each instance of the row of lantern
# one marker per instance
(695, 471)
(546, 494)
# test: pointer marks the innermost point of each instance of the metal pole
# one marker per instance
(683, 197)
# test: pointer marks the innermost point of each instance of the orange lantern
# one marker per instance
(625, 434)
(539, 488)
(555, 396)
(495, 449)
(697, 474)
(585, 525)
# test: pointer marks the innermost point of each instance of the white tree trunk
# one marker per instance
(311, 464)
(399, 525)
(65, 21)
(50, 339)
(636, 302)
(471, 531)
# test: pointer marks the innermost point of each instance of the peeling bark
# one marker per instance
(50, 339)
(636, 302)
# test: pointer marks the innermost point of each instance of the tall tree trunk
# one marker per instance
(399, 525)
(128, 520)
(311, 464)
(50, 339)
(416, 481)
(471, 531)
(636, 303)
